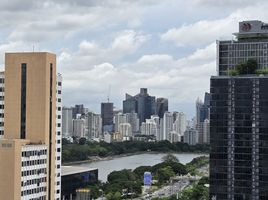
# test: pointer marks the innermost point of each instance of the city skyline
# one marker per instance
(160, 45)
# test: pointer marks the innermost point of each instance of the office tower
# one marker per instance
(134, 121)
(79, 128)
(202, 113)
(149, 127)
(31, 148)
(2, 95)
(251, 42)
(67, 122)
(179, 124)
(125, 131)
(190, 136)
(206, 131)
(161, 106)
(167, 125)
(93, 126)
(107, 116)
(78, 110)
(238, 126)
(119, 119)
(142, 103)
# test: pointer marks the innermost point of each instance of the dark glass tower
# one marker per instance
(161, 106)
(239, 138)
(142, 103)
(107, 115)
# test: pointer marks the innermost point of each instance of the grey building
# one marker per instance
(161, 106)
(238, 137)
(251, 42)
(67, 122)
(107, 116)
(143, 104)
(78, 109)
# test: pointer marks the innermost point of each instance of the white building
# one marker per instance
(2, 95)
(125, 131)
(79, 128)
(93, 126)
(149, 127)
(180, 123)
(190, 136)
(119, 118)
(167, 125)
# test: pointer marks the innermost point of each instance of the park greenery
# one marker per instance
(128, 183)
(248, 67)
(83, 150)
(197, 191)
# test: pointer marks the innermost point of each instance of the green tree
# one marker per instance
(170, 158)
(117, 196)
(82, 141)
(109, 196)
(164, 174)
(248, 67)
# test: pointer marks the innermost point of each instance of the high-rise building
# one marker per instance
(238, 139)
(161, 106)
(67, 122)
(2, 95)
(206, 131)
(119, 118)
(190, 136)
(31, 148)
(142, 103)
(93, 126)
(179, 125)
(125, 131)
(238, 118)
(202, 113)
(149, 127)
(251, 42)
(134, 121)
(167, 125)
(78, 110)
(107, 116)
(79, 128)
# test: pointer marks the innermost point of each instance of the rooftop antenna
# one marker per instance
(109, 93)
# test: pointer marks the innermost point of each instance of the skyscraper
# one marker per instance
(67, 122)
(93, 124)
(107, 116)
(238, 126)
(238, 118)
(31, 148)
(142, 103)
(78, 110)
(161, 106)
(251, 42)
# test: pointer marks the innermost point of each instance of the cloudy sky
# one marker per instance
(167, 46)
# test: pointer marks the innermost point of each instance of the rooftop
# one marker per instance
(69, 170)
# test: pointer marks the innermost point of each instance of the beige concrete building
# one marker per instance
(30, 152)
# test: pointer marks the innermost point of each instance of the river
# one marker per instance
(105, 167)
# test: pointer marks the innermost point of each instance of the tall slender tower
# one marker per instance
(31, 147)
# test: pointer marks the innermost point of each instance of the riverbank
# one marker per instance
(98, 158)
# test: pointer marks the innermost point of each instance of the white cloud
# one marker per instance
(128, 41)
(204, 32)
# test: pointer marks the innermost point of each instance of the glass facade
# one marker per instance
(231, 53)
(239, 138)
